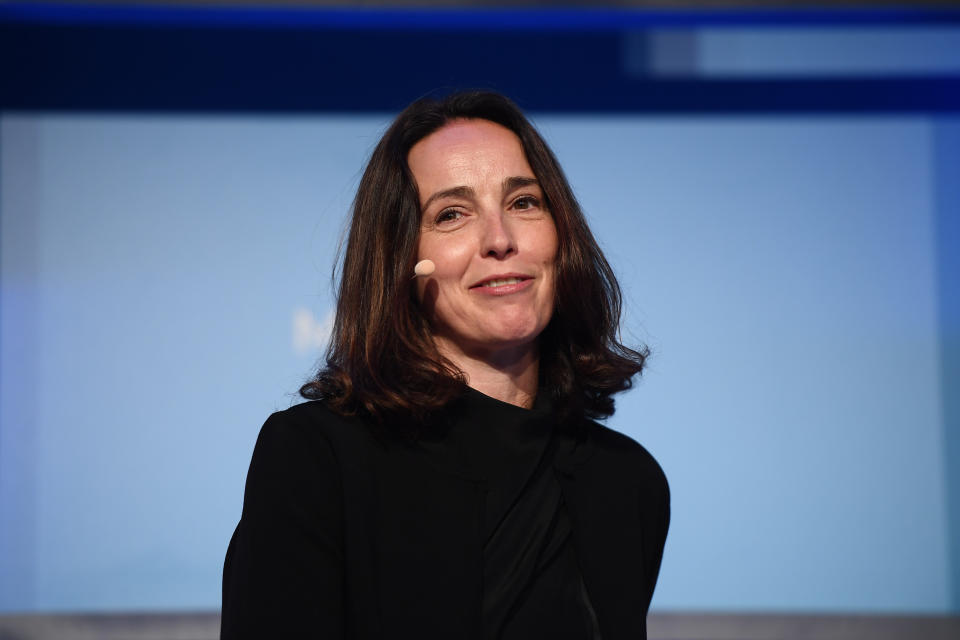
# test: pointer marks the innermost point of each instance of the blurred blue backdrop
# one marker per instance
(787, 249)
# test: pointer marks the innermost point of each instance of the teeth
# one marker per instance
(500, 283)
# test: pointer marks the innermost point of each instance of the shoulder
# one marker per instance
(296, 429)
(621, 454)
(311, 432)
(311, 424)
(305, 418)
(306, 435)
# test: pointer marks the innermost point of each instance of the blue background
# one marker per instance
(786, 244)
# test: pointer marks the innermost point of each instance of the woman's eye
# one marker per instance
(448, 215)
(525, 202)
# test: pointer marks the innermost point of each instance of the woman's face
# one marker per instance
(486, 228)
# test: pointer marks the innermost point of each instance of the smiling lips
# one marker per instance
(500, 282)
(500, 285)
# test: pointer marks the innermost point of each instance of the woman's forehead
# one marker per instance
(467, 150)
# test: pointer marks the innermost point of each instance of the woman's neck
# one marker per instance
(510, 375)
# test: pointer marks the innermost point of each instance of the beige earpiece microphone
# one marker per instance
(424, 268)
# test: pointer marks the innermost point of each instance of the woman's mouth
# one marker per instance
(503, 284)
(500, 282)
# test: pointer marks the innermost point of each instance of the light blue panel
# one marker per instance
(783, 272)
(947, 154)
(797, 51)
(18, 374)
(781, 269)
(173, 259)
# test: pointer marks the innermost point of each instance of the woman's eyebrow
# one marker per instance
(515, 182)
(454, 192)
(509, 184)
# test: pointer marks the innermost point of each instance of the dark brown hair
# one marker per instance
(381, 359)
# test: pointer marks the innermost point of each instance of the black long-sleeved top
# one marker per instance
(497, 525)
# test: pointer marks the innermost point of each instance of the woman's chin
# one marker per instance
(499, 342)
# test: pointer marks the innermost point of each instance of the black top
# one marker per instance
(531, 582)
(502, 525)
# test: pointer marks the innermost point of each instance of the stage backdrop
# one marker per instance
(165, 285)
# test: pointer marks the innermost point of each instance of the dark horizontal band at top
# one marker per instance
(322, 68)
(472, 17)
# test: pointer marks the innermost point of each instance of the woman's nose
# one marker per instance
(498, 237)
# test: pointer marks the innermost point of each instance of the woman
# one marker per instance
(447, 480)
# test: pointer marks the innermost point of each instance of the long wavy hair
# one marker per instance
(381, 359)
